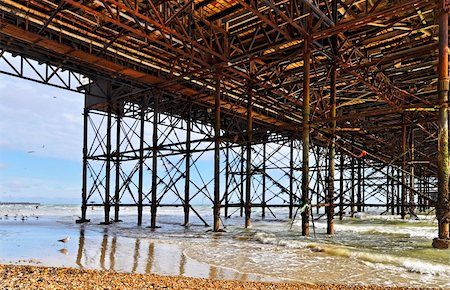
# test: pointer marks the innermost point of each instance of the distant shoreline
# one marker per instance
(19, 203)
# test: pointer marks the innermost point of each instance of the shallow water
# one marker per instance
(373, 249)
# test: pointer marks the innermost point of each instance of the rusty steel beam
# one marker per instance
(442, 206)
(305, 140)
(376, 15)
(332, 145)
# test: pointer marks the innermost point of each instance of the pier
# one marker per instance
(326, 108)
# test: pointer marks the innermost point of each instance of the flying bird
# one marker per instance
(32, 151)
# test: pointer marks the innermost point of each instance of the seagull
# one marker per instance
(31, 151)
(65, 240)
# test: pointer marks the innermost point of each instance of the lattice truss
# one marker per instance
(268, 90)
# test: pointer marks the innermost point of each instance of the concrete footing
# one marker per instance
(441, 243)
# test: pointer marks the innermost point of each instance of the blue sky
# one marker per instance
(40, 142)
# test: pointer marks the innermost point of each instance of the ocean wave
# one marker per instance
(409, 264)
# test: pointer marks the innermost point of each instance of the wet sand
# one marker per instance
(36, 277)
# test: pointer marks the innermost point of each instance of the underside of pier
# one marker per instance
(324, 107)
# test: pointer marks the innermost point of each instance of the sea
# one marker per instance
(369, 249)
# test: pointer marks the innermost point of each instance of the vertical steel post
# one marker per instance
(263, 209)
(411, 176)
(305, 139)
(341, 186)
(187, 180)
(227, 178)
(398, 192)
(291, 177)
(216, 210)
(85, 166)
(442, 206)
(154, 205)
(419, 198)
(141, 159)
(363, 187)
(107, 202)
(352, 189)
(359, 192)
(241, 193)
(117, 186)
(318, 183)
(248, 179)
(403, 202)
(388, 187)
(331, 147)
(392, 192)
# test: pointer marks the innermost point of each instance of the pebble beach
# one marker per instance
(37, 277)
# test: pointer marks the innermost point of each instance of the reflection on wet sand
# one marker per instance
(151, 249)
(112, 254)
(182, 264)
(80, 247)
(144, 255)
(103, 249)
(136, 256)
(64, 251)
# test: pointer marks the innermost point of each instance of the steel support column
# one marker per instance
(117, 179)
(419, 198)
(216, 210)
(141, 159)
(398, 192)
(248, 175)
(403, 199)
(392, 192)
(442, 206)
(107, 200)
(187, 180)
(227, 178)
(241, 192)
(331, 147)
(85, 165)
(411, 176)
(263, 209)
(154, 205)
(305, 139)
(291, 177)
(388, 188)
(341, 186)
(359, 188)
(363, 186)
(352, 189)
